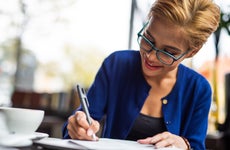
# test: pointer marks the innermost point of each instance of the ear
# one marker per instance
(192, 52)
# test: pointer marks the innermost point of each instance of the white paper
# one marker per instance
(57, 143)
(115, 144)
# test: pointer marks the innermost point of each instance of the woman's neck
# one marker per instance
(162, 80)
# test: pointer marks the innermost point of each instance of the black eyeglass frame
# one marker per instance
(153, 48)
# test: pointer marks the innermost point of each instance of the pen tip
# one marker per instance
(94, 137)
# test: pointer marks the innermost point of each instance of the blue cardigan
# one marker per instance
(119, 91)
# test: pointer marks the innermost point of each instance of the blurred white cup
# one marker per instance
(20, 120)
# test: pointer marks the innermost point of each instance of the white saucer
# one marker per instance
(40, 135)
(20, 140)
(23, 143)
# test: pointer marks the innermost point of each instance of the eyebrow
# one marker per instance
(174, 48)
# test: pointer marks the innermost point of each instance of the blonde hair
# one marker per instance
(198, 18)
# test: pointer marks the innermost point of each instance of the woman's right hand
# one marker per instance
(79, 128)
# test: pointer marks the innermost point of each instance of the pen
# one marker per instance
(85, 104)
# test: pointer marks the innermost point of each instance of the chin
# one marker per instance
(150, 73)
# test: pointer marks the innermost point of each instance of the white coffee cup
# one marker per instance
(21, 120)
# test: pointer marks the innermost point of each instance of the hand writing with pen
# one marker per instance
(79, 128)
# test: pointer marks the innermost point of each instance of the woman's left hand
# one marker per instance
(165, 139)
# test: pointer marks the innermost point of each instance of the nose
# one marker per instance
(151, 55)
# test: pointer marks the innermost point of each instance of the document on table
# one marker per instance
(57, 144)
(116, 144)
(102, 144)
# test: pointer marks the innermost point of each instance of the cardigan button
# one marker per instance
(168, 122)
(165, 101)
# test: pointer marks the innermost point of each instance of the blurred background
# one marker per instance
(47, 46)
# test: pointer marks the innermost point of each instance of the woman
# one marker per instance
(148, 95)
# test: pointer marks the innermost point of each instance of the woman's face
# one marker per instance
(165, 36)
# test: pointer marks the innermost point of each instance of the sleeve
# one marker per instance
(98, 93)
(197, 128)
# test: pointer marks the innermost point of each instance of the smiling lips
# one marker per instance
(151, 66)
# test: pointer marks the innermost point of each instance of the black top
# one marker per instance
(146, 126)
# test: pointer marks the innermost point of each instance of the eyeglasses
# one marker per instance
(163, 56)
